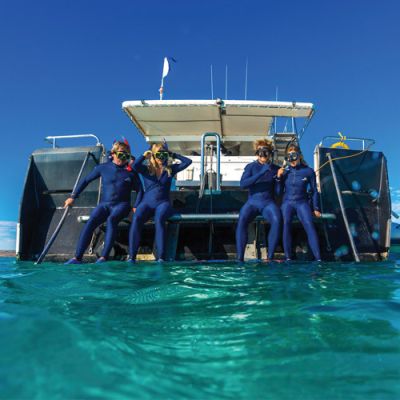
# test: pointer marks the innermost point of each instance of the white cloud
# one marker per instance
(394, 192)
(395, 196)
(7, 235)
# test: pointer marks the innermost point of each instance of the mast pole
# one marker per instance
(245, 81)
(161, 90)
(226, 81)
(212, 82)
(276, 99)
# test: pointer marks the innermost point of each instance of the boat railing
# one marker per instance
(366, 143)
(53, 139)
(203, 172)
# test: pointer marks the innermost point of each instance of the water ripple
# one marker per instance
(200, 330)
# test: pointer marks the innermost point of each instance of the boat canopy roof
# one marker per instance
(187, 120)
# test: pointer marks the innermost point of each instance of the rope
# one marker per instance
(343, 157)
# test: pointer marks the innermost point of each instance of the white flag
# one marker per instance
(165, 68)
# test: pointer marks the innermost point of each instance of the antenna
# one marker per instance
(212, 83)
(245, 80)
(226, 82)
(285, 128)
(276, 99)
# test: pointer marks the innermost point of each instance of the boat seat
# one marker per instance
(254, 248)
(202, 218)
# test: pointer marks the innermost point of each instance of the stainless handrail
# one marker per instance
(218, 140)
(54, 138)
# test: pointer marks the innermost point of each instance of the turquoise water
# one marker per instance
(217, 331)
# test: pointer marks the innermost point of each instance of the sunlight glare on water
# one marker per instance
(196, 330)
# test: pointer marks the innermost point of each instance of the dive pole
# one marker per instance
(60, 224)
(342, 209)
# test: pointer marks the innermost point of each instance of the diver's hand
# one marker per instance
(147, 154)
(280, 172)
(266, 167)
(134, 210)
(69, 202)
(165, 144)
(317, 213)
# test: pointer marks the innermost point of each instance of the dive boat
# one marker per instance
(217, 135)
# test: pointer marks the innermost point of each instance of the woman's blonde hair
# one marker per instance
(294, 147)
(156, 147)
(263, 143)
(118, 145)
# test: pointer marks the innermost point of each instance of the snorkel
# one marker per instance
(294, 156)
(264, 152)
(158, 158)
(121, 153)
(162, 153)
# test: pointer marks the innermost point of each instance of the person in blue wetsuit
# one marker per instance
(118, 180)
(157, 171)
(259, 177)
(297, 177)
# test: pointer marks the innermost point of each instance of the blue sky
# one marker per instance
(66, 67)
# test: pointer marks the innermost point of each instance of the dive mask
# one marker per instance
(292, 156)
(161, 155)
(122, 155)
(263, 152)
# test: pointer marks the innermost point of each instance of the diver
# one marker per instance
(260, 178)
(118, 180)
(296, 177)
(157, 171)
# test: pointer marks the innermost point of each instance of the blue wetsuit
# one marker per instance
(155, 202)
(115, 204)
(296, 180)
(261, 181)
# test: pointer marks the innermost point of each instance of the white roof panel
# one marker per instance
(192, 118)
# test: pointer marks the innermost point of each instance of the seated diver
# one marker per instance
(118, 180)
(157, 171)
(296, 178)
(259, 177)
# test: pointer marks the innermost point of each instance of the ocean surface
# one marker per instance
(200, 331)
